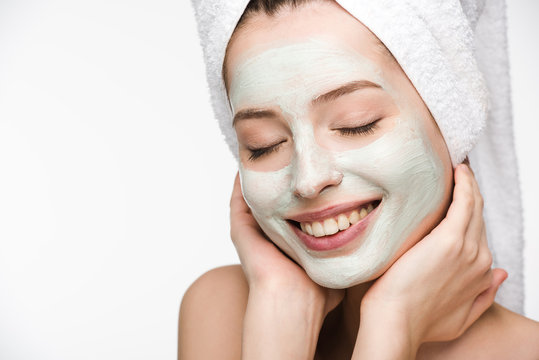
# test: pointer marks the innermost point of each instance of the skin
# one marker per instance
(309, 22)
(403, 99)
(269, 308)
(394, 161)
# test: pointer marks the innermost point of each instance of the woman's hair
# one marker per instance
(271, 8)
(268, 7)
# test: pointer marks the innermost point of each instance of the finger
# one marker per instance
(478, 281)
(475, 228)
(241, 218)
(461, 208)
(239, 210)
(484, 257)
(484, 300)
(236, 200)
(475, 248)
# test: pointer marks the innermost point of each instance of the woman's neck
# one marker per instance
(351, 310)
(341, 325)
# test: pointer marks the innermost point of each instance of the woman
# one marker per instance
(379, 252)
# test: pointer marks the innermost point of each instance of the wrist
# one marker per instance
(385, 332)
(308, 299)
(280, 325)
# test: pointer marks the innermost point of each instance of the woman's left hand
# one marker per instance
(438, 288)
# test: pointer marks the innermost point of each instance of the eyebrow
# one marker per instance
(343, 90)
(326, 97)
(253, 114)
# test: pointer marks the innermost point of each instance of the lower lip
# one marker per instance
(337, 240)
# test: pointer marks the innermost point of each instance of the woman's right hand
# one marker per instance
(285, 309)
(439, 287)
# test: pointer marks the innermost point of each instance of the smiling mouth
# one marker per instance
(337, 223)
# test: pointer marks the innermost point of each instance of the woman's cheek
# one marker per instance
(269, 195)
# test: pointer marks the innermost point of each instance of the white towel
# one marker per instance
(455, 54)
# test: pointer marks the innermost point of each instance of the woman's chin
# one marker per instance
(341, 280)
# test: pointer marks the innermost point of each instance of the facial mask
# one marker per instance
(400, 167)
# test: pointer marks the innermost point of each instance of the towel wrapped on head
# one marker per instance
(455, 54)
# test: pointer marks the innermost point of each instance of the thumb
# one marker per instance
(499, 276)
(484, 300)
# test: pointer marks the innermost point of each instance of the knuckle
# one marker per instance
(485, 261)
(480, 202)
(454, 245)
(471, 251)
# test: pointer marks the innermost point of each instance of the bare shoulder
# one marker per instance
(211, 315)
(519, 334)
(498, 334)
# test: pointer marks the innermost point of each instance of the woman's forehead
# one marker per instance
(298, 72)
(325, 20)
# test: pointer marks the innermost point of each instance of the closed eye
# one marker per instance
(257, 153)
(360, 130)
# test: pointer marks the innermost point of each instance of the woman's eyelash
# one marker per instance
(256, 153)
(360, 130)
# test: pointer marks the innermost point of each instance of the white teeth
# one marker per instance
(318, 229)
(309, 229)
(343, 222)
(354, 217)
(362, 213)
(330, 226)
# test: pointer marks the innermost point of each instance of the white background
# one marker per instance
(114, 179)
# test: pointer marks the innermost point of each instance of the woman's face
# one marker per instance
(341, 162)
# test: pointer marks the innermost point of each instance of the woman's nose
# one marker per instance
(315, 171)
